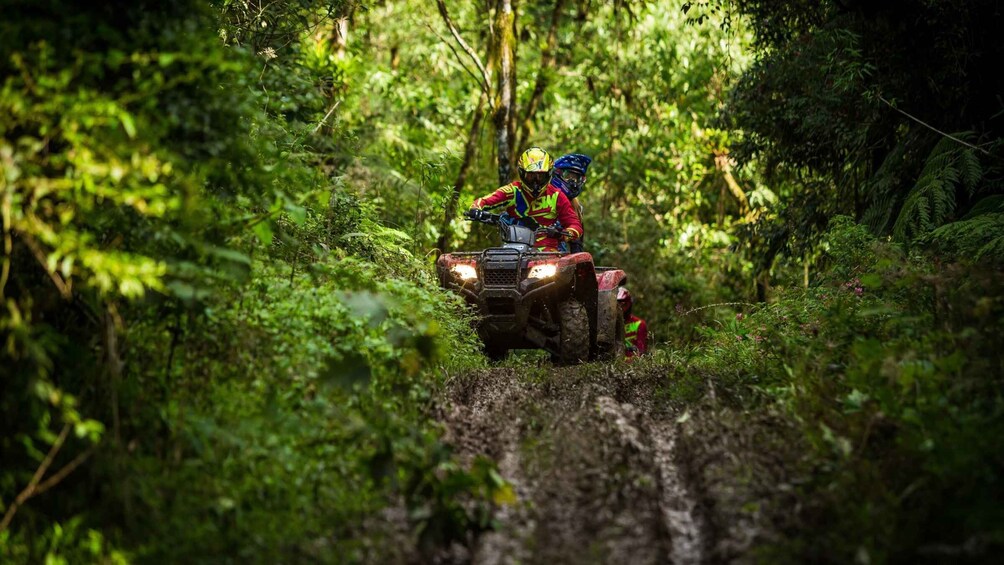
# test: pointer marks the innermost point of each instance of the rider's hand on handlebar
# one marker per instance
(552, 232)
(556, 233)
(477, 215)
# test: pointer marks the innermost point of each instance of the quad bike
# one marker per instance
(529, 299)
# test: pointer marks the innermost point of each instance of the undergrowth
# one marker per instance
(890, 366)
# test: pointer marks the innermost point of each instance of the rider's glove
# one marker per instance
(476, 214)
(570, 236)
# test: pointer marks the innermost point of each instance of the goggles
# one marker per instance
(536, 180)
(573, 177)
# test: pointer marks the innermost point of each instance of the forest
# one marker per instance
(224, 339)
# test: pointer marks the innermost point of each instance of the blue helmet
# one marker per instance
(570, 173)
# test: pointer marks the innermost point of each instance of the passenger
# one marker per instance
(570, 177)
(635, 329)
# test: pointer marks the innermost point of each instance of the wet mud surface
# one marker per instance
(596, 463)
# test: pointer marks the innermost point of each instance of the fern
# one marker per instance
(970, 170)
(988, 205)
(882, 189)
(877, 216)
(980, 237)
(932, 200)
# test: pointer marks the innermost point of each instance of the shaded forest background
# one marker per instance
(221, 332)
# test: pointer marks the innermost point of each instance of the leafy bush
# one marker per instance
(305, 397)
(890, 367)
(212, 351)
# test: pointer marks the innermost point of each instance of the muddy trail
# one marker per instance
(597, 468)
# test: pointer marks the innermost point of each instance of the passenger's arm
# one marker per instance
(568, 218)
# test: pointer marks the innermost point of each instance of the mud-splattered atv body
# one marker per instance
(529, 299)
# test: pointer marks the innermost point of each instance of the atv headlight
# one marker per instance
(465, 272)
(542, 271)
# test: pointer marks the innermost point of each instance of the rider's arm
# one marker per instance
(502, 197)
(567, 216)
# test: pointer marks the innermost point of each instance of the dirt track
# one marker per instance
(593, 461)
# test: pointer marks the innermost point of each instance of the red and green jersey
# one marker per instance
(550, 207)
(635, 336)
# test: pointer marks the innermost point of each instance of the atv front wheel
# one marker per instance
(573, 342)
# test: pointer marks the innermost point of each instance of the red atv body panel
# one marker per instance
(609, 278)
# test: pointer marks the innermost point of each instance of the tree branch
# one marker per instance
(66, 470)
(547, 63)
(485, 78)
(460, 60)
(30, 490)
(724, 164)
(65, 290)
(326, 116)
(934, 129)
(8, 241)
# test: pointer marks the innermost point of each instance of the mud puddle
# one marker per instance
(592, 461)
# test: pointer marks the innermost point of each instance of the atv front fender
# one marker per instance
(607, 318)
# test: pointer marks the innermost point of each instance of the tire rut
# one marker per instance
(593, 466)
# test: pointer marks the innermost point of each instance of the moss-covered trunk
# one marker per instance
(504, 62)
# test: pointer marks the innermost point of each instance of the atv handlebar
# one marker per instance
(486, 217)
(482, 216)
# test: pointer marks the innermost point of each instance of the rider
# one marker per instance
(532, 196)
(570, 177)
(635, 329)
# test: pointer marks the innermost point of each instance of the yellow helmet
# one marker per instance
(534, 167)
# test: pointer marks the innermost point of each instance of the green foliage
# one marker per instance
(276, 24)
(932, 201)
(238, 354)
(311, 419)
(980, 238)
(841, 99)
(104, 159)
(672, 274)
(64, 544)
(890, 369)
(215, 297)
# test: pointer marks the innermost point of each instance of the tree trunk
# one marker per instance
(465, 165)
(340, 36)
(505, 63)
(724, 164)
(546, 64)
